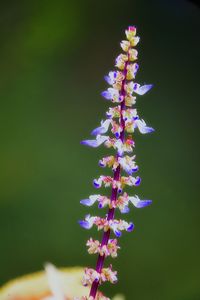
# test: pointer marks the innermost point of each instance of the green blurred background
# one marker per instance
(53, 57)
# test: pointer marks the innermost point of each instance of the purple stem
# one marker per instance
(116, 176)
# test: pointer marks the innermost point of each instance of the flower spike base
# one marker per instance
(122, 120)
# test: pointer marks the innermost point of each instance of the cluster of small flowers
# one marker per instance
(106, 274)
(108, 181)
(103, 223)
(122, 121)
(127, 163)
(121, 202)
(94, 246)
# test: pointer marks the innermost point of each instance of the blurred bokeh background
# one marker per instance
(53, 57)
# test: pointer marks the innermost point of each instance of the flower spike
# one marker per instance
(122, 120)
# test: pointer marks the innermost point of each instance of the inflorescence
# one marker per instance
(122, 120)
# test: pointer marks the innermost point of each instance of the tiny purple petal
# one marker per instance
(98, 130)
(136, 66)
(95, 143)
(149, 129)
(108, 115)
(84, 224)
(138, 181)
(106, 95)
(87, 202)
(129, 172)
(135, 87)
(90, 143)
(125, 210)
(143, 203)
(143, 89)
(101, 164)
(117, 233)
(131, 227)
(135, 169)
(96, 184)
(107, 79)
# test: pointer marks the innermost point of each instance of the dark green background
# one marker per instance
(53, 57)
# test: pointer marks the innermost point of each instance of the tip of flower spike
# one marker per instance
(131, 28)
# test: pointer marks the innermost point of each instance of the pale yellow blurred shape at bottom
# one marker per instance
(35, 286)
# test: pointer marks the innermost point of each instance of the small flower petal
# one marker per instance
(138, 181)
(89, 202)
(125, 210)
(84, 224)
(135, 200)
(100, 139)
(88, 222)
(130, 227)
(141, 90)
(107, 95)
(102, 129)
(142, 126)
